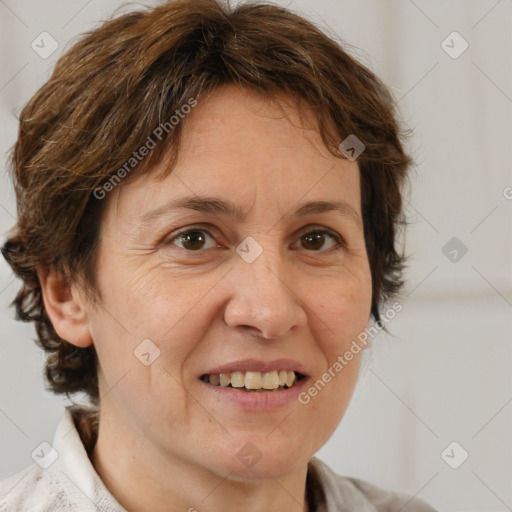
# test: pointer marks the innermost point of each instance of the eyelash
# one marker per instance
(340, 241)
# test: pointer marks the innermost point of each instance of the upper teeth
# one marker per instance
(253, 380)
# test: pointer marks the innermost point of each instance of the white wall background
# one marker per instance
(445, 375)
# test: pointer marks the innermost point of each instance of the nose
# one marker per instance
(264, 299)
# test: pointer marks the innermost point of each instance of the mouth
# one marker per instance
(254, 381)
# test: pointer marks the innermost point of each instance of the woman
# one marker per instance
(208, 200)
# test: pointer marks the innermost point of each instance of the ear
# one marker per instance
(66, 306)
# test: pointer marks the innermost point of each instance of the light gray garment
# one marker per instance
(63, 480)
(344, 494)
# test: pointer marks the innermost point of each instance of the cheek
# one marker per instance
(141, 299)
(344, 312)
(170, 311)
(342, 316)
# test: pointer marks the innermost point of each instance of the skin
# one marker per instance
(165, 444)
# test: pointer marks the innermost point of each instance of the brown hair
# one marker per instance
(118, 83)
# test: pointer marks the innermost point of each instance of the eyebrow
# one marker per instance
(227, 208)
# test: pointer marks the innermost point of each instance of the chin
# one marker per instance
(254, 457)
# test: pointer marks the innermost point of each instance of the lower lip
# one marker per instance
(257, 401)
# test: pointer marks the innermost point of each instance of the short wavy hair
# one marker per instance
(117, 83)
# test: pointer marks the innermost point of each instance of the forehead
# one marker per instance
(242, 124)
(239, 145)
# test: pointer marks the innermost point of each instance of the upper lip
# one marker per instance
(257, 365)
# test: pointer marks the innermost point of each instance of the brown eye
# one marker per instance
(315, 240)
(192, 240)
(195, 240)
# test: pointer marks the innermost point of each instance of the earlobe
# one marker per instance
(66, 306)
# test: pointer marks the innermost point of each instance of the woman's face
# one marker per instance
(281, 286)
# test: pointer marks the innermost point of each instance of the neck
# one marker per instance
(143, 477)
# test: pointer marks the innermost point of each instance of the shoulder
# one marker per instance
(385, 500)
(64, 480)
(355, 494)
(32, 489)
